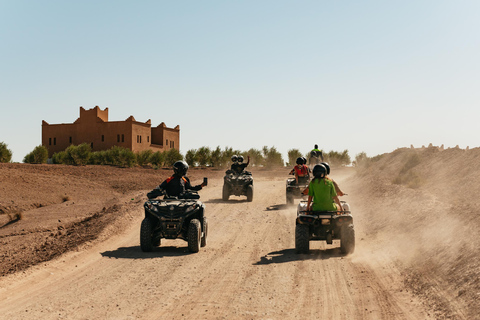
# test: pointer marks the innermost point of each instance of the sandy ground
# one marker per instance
(248, 270)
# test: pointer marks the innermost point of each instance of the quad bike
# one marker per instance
(238, 184)
(294, 190)
(324, 226)
(313, 160)
(180, 217)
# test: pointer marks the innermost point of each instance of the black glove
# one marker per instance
(155, 193)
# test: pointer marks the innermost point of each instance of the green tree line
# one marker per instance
(201, 157)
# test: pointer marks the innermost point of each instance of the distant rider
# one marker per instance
(177, 184)
(238, 166)
(322, 192)
(300, 171)
(315, 155)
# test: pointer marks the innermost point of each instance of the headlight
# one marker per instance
(151, 207)
(191, 208)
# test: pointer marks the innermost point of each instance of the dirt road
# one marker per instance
(248, 270)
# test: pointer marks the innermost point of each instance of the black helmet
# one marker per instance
(319, 171)
(299, 160)
(180, 167)
(327, 166)
(234, 158)
(240, 158)
(316, 146)
(304, 160)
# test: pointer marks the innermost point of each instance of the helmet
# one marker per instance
(304, 160)
(234, 158)
(327, 166)
(180, 167)
(319, 171)
(240, 159)
(299, 160)
(316, 146)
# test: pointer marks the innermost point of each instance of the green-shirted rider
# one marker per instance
(321, 192)
(315, 156)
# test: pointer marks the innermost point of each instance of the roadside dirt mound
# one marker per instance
(420, 210)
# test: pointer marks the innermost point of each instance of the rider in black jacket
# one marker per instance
(238, 166)
(177, 184)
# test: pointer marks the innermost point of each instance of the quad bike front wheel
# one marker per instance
(194, 235)
(203, 242)
(225, 193)
(146, 230)
(250, 193)
(347, 239)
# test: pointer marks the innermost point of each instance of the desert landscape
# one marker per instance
(70, 245)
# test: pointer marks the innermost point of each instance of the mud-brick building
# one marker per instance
(93, 127)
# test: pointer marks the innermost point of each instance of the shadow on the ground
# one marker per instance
(9, 223)
(135, 252)
(289, 255)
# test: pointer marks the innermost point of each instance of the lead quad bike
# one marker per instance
(324, 226)
(238, 184)
(180, 217)
(294, 190)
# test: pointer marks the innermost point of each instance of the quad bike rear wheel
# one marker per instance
(146, 230)
(347, 239)
(194, 235)
(250, 193)
(302, 241)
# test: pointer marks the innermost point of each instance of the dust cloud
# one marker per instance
(417, 208)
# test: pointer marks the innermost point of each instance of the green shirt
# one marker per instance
(322, 192)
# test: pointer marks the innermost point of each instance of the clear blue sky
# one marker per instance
(367, 76)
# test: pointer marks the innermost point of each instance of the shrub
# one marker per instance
(216, 158)
(157, 159)
(59, 157)
(143, 157)
(98, 158)
(272, 157)
(38, 155)
(78, 155)
(337, 158)
(293, 154)
(227, 155)
(203, 156)
(191, 157)
(256, 157)
(5, 153)
(362, 161)
(121, 157)
(172, 156)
